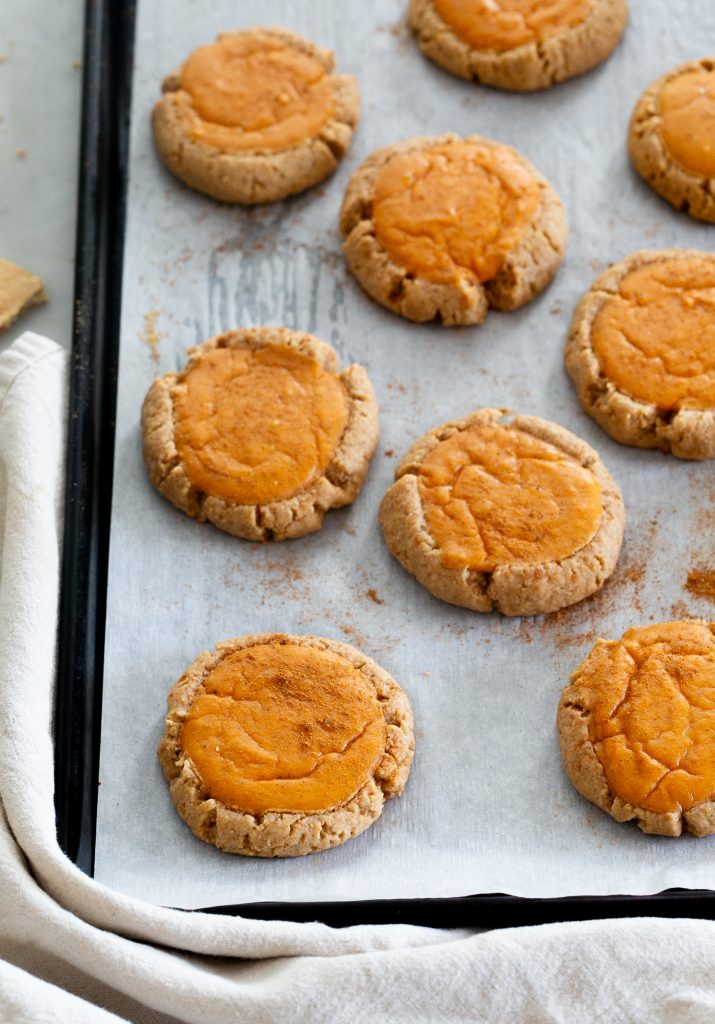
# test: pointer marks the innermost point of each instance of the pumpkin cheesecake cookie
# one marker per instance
(637, 727)
(445, 227)
(518, 44)
(277, 746)
(260, 434)
(641, 352)
(517, 516)
(256, 116)
(671, 139)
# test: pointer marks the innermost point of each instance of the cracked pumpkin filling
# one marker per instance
(284, 728)
(243, 94)
(655, 339)
(495, 495)
(650, 699)
(503, 25)
(453, 211)
(687, 120)
(254, 426)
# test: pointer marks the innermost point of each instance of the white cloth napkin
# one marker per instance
(74, 951)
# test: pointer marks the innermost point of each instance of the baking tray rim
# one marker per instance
(103, 173)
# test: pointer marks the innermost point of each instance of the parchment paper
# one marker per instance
(487, 807)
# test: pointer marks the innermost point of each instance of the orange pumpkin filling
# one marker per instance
(504, 24)
(687, 120)
(454, 210)
(242, 94)
(655, 339)
(254, 426)
(284, 728)
(651, 698)
(495, 495)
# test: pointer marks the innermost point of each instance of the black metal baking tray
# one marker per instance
(107, 79)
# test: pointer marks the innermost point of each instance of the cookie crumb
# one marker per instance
(389, 453)
(151, 336)
(76, 65)
(374, 596)
(702, 583)
(20, 154)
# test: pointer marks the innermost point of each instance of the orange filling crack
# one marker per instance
(284, 728)
(687, 109)
(651, 697)
(495, 495)
(454, 210)
(256, 426)
(655, 339)
(505, 24)
(243, 94)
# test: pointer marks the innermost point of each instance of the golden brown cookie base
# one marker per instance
(283, 834)
(688, 434)
(509, 589)
(266, 176)
(586, 773)
(686, 191)
(524, 68)
(526, 270)
(280, 520)
(19, 291)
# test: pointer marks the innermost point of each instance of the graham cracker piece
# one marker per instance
(19, 290)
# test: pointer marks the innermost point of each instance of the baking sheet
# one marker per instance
(487, 807)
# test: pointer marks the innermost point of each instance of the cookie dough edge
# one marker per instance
(526, 68)
(689, 434)
(254, 178)
(685, 191)
(289, 518)
(510, 590)
(277, 834)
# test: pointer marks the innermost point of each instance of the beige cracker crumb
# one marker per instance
(151, 336)
(19, 290)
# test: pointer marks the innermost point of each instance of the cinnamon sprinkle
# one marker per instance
(702, 583)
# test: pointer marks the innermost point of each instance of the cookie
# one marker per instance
(671, 139)
(511, 515)
(256, 116)
(445, 227)
(641, 352)
(519, 45)
(278, 746)
(19, 291)
(637, 727)
(260, 434)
